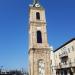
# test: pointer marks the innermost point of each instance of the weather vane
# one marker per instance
(35, 2)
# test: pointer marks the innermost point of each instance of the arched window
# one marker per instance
(38, 15)
(39, 37)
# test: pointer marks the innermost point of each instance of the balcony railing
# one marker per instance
(63, 54)
(67, 65)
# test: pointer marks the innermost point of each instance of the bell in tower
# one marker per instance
(39, 50)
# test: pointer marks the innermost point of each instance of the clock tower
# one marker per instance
(39, 50)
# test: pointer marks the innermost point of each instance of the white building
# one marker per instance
(64, 57)
(52, 65)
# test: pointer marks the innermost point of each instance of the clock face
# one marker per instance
(41, 68)
(37, 5)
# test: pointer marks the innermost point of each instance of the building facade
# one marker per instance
(39, 50)
(64, 57)
(12, 72)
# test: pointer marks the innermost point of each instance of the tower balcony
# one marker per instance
(63, 54)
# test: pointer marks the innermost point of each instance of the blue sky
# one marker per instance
(60, 16)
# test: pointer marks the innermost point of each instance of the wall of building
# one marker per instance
(70, 49)
(52, 64)
(64, 58)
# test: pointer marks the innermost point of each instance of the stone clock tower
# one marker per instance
(39, 50)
